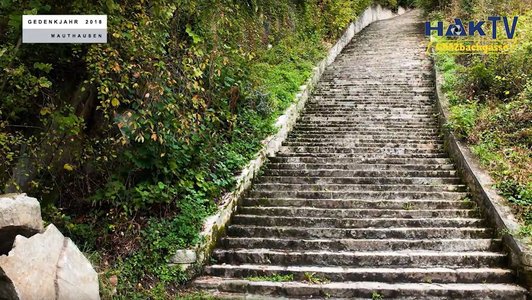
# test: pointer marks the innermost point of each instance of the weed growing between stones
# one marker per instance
(272, 278)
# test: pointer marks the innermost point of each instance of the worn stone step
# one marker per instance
(414, 102)
(375, 203)
(377, 95)
(372, 187)
(355, 160)
(354, 134)
(370, 130)
(365, 140)
(365, 155)
(410, 258)
(362, 244)
(359, 233)
(392, 149)
(390, 275)
(389, 120)
(399, 125)
(358, 213)
(338, 110)
(385, 195)
(324, 110)
(350, 127)
(387, 153)
(363, 289)
(360, 173)
(338, 222)
(359, 166)
(359, 180)
(327, 113)
(339, 144)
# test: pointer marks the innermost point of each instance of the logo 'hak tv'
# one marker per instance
(457, 29)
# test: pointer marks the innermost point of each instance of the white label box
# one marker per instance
(64, 28)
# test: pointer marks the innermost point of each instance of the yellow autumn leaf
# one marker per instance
(45, 111)
(115, 102)
(68, 167)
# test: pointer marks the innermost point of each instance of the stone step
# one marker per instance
(413, 102)
(358, 213)
(361, 289)
(358, 180)
(344, 141)
(355, 134)
(375, 203)
(381, 95)
(373, 130)
(405, 119)
(358, 187)
(348, 108)
(325, 112)
(365, 155)
(410, 258)
(359, 166)
(373, 125)
(360, 173)
(375, 82)
(345, 160)
(390, 275)
(384, 195)
(359, 233)
(346, 244)
(340, 114)
(351, 150)
(353, 145)
(338, 222)
(370, 130)
(408, 118)
(425, 121)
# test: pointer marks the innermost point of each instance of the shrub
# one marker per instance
(462, 118)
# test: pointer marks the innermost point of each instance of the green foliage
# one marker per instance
(274, 278)
(376, 296)
(491, 107)
(130, 144)
(463, 117)
(515, 192)
(429, 5)
(312, 278)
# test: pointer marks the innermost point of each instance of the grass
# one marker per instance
(312, 278)
(496, 130)
(376, 296)
(273, 278)
(407, 206)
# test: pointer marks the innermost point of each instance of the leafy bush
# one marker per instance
(130, 144)
(463, 118)
(491, 106)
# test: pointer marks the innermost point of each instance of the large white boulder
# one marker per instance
(49, 266)
(19, 214)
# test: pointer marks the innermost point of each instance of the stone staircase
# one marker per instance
(362, 201)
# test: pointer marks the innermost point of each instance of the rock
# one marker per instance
(7, 289)
(185, 256)
(19, 214)
(49, 266)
